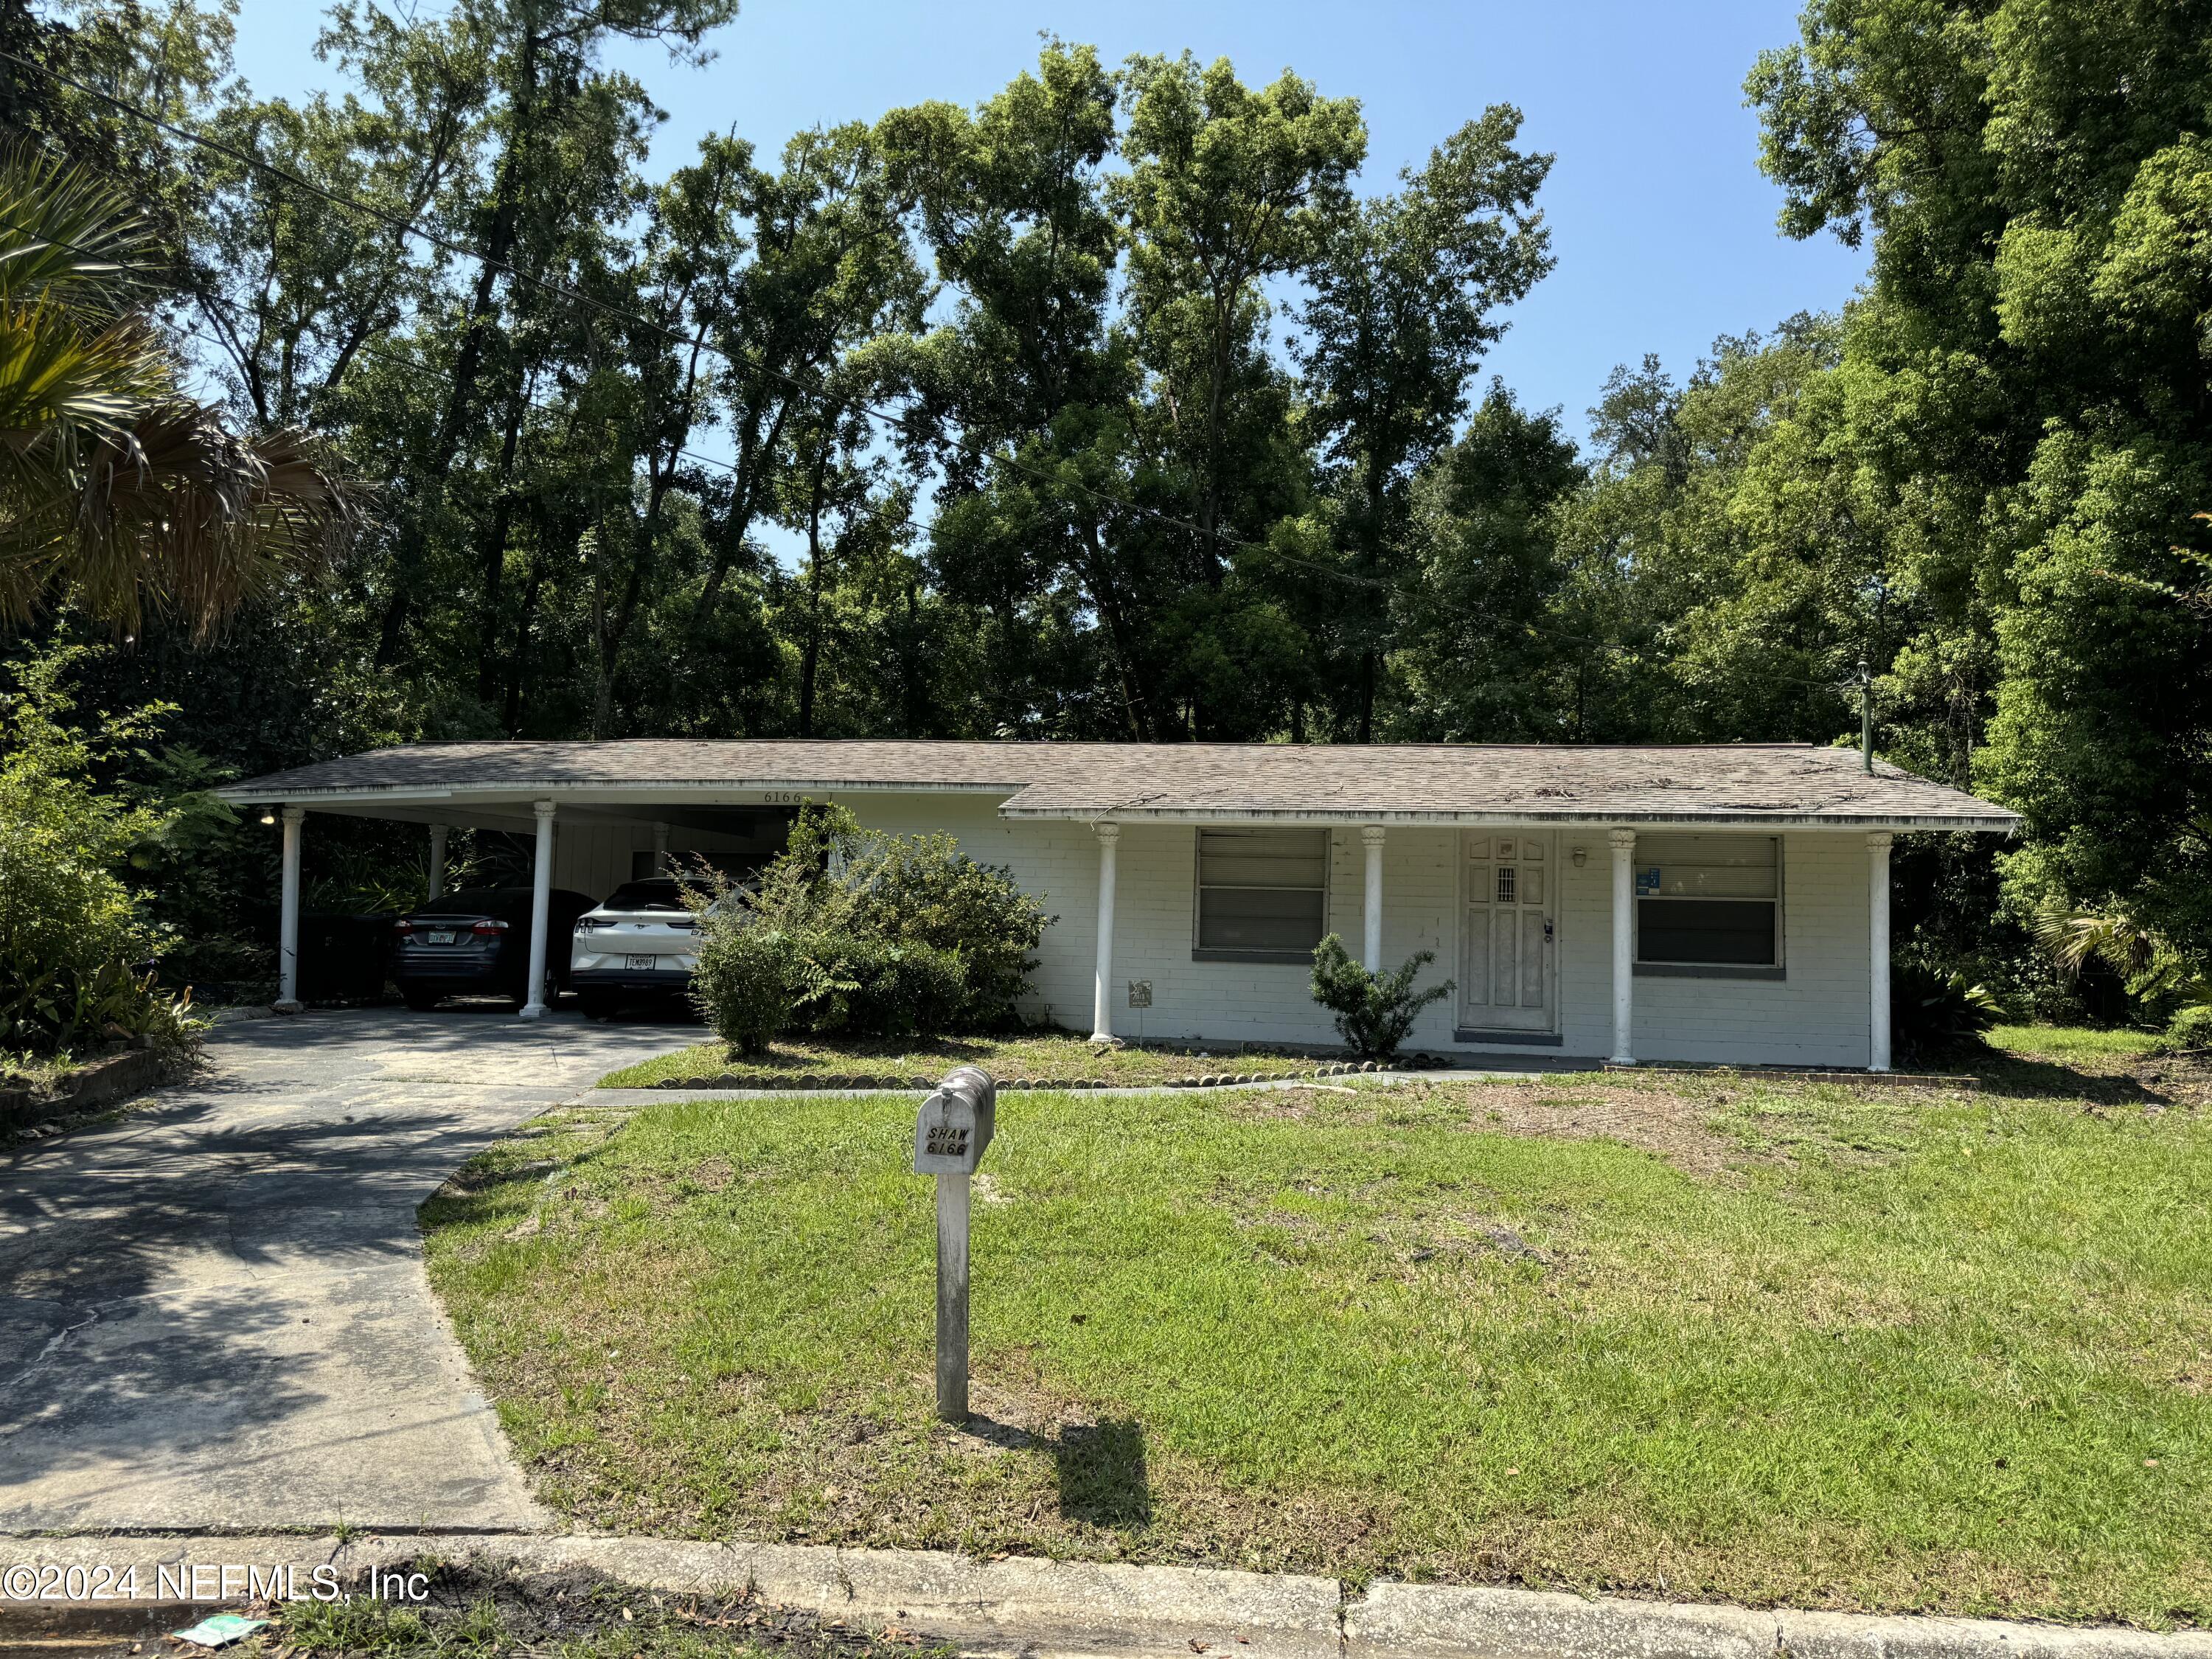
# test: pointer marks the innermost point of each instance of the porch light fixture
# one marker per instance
(268, 815)
(1581, 856)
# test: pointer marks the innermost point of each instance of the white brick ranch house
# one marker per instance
(1721, 904)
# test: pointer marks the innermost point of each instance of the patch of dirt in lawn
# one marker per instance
(1672, 1125)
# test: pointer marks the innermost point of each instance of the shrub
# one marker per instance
(857, 934)
(745, 984)
(73, 938)
(2190, 1029)
(1931, 1012)
(923, 891)
(1375, 1012)
(871, 988)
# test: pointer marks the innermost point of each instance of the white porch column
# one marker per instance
(541, 906)
(659, 848)
(1624, 946)
(1102, 999)
(288, 916)
(437, 860)
(1371, 943)
(1878, 951)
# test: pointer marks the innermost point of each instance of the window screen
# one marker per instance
(1261, 892)
(1708, 899)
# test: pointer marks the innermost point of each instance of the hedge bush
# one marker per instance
(854, 933)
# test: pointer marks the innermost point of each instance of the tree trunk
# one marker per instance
(519, 667)
(491, 546)
(810, 660)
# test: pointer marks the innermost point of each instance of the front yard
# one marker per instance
(1692, 1336)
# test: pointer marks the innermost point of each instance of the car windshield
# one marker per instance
(661, 895)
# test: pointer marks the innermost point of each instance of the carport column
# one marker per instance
(437, 860)
(1371, 941)
(1878, 951)
(541, 908)
(1102, 998)
(288, 916)
(1624, 946)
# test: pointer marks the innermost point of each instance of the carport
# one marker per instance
(592, 820)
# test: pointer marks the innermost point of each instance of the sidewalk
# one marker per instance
(1037, 1609)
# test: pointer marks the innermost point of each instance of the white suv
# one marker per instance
(642, 941)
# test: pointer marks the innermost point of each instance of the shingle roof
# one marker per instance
(1185, 782)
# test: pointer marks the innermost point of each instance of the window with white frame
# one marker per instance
(1709, 901)
(1262, 894)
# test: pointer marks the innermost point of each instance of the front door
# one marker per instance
(1506, 977)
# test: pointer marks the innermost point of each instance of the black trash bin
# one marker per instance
(344, 958)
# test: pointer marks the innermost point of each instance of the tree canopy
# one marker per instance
(1128, 404)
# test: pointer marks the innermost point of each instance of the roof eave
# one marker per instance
(1997, 823)
(258, 791)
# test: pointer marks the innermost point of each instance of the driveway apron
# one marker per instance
(213, 1312)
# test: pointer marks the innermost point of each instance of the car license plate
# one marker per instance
(643, 963)
(443, 936)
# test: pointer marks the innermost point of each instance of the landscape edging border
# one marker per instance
(891, 1082)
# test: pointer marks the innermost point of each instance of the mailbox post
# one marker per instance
(950, 1133)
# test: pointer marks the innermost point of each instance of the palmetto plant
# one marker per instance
(2147, 962)
(115, 486)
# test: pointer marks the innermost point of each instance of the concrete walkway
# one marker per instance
(213, 1312)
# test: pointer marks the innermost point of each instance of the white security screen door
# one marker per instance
(1506, 975)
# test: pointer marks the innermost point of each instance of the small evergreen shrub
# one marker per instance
(746, 983)
(1375, 1012)
(2189, 1029)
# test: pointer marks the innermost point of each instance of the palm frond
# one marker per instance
(68, 234)
(2072, 938)
(112, 484)
(196, 519)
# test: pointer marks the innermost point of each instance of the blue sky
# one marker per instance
(1661, 222)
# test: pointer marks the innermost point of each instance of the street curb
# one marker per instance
(1019, 1606)
(1449, 1621)
(1036, 1609)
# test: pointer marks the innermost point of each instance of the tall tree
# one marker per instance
(2028, 392)
(1402, 306)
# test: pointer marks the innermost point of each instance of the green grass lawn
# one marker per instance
(2070, 1043)
(1061, 1057)
(1700, 1337)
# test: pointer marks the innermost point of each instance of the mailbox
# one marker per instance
(955, 1124)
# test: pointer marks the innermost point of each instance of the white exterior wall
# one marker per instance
(1818, 1016)
(594, 857)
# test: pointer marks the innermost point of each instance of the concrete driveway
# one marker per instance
(213, 1312)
